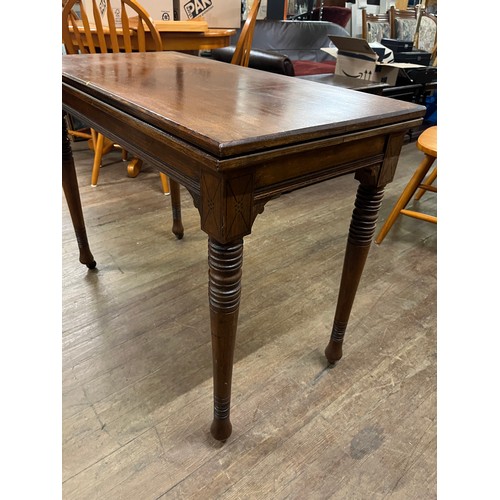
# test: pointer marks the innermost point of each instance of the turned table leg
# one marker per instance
(72, 194)
(175, 200)
(361, 231)
(224, 290)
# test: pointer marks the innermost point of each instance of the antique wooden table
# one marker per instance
(235, 138)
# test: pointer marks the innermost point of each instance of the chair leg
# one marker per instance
(98, 147)
(134, 167)
(406, 195)
(164, 183)
(427, 182)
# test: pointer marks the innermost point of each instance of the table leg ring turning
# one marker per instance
(361, 231)
(224, 292)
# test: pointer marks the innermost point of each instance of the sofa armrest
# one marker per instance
(259, 59)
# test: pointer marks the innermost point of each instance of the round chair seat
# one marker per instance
(427, 141)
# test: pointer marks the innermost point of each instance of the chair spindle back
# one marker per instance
(80, 36)
(241, 55)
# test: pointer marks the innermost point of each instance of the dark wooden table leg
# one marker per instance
(361, 231)
(72, 194)
(175, 199)
(224, 290)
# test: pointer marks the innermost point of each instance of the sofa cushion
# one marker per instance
(405, 30)
(377, 31)
(303, 68)
(264, 60)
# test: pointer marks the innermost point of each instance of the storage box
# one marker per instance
(157, 9)
(217, 13)
(415, 56)
(397, 45)
(423, 75)
(356, 59)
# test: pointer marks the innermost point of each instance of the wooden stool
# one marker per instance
(427, 142)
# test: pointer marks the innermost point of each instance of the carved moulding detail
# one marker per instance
(226, 206)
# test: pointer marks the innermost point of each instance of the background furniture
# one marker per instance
(412, 85)
(427, 143)
(401, 24)
(404, 24)
(322, 12)
(333, 14)
(93, 40)
(82, 37)
(291, 48)
(375, 26)
(241, 54)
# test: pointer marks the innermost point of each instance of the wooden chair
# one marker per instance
(374, 27)
(402, 14)
(80, 36)
(241, 55)
(404, 24)
(427, 142)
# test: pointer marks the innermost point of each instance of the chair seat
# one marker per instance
(427, 141)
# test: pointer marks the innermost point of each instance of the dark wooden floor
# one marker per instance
(137, 393)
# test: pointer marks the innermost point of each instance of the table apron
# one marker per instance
(258, 176)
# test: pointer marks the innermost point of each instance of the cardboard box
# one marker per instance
(356, 59)
(161, 10)
(157, 9)
(217, 13)
(397, 45)
(415, 56)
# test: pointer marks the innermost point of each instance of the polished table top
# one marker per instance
(235, 138)
(225, 109)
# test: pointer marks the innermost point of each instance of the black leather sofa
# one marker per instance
(290, 48)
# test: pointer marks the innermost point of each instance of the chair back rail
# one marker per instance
(241, 54)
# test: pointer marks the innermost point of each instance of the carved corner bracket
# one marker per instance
(226, 206)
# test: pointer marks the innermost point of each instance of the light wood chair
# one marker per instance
(374, 27)
(241, 55)
(80, 36)
(427, 143)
